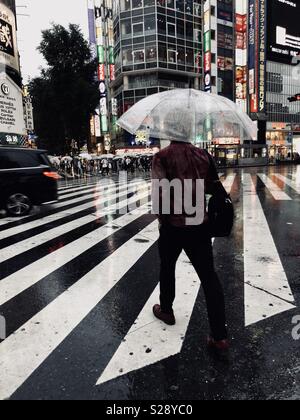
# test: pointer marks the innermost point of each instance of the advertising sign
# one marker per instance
(283, 30)
(11, 107)
(8, 38)
(28, 114)
(241, 54)
(262, 55)
(97, 123)
(101, 72)
(207, 46)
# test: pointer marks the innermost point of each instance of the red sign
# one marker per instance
(207, 61)
(112, 72)
(101, 72)
(241, 23)
(253, 103)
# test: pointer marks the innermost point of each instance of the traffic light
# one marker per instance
(294, 98)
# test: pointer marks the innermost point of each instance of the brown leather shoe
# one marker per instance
(168, 319)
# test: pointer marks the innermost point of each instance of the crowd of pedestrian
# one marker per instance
(89, 165)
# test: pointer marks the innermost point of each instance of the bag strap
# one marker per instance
(213, 167)
(218, 186)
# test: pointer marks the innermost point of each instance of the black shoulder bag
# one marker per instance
(220, 207)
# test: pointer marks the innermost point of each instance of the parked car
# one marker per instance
(27, 178)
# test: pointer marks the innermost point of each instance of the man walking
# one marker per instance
(182, 161)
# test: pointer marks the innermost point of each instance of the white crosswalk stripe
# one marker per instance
(275, 191)
(147, 333)
(267, 290)
(42, 334)
(76, 209)
(294, 185)
(33, 273)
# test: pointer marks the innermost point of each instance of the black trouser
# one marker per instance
(197, 244)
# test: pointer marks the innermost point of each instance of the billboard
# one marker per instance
(241, 45)
(257, 46)
(207, 47)
(8, 38)
(283, 30)
(11, 107)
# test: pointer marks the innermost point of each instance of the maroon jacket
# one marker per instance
(183, 161)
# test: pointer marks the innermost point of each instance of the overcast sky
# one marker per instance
(42, 13)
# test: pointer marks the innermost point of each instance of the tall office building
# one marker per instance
(158, 46)
(282, 77)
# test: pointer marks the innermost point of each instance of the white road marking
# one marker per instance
(150, 334)
(28, 276)
(267, 290)
(34, 241)
(294, 185)
(54, 217)
(99, 184)
(24, 351)
(228, 182)
(150, 340)
(275, 191)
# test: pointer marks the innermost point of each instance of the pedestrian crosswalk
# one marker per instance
(56, 267)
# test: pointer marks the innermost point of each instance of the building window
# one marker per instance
(137, 4)
(171, 4)
(150, 24)
(125, 5)
(127, 56)
(180, 5)
(162, 52)
(138, 29)
(189, 7)
(139, 56)
(171, 28)
(172, 56)
(126, 28)
(151, 54)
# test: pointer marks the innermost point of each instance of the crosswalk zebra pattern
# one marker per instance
(60, 265)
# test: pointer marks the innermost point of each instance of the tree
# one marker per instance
(66, 93)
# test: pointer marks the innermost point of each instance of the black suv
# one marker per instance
(26, 179)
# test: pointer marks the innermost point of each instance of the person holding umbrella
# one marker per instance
(183, 161)
(179, 117)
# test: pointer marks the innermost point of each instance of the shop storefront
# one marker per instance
(280, 138)
(225, 151)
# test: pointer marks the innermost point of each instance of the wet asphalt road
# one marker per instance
(76, 291)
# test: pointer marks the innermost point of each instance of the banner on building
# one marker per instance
(241, 78)
(8, 39)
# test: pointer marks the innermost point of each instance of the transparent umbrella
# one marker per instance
(186, 115)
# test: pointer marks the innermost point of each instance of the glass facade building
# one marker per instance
(283, 81)
(158, 46)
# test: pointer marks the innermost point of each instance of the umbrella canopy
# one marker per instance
(187, 114)
(54, 160)
(86, 156)
(108, 156)
(67, 158)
